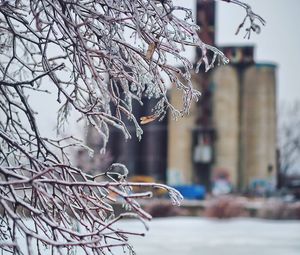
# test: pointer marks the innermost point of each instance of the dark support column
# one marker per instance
(206, 20)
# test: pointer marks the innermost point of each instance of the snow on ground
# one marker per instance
(198, 236)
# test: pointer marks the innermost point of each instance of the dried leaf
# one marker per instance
(150, 51)
(147, 119)
(38, 22)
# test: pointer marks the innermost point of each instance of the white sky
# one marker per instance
(278, 42)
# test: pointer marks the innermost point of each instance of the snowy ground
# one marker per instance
(198, 236)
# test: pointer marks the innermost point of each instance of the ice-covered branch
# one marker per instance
(101, 56)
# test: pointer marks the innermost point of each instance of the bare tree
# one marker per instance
(289, 138)
(100, 55)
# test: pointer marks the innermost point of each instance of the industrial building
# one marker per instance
(237, 133)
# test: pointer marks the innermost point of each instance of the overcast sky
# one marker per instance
(278, 42)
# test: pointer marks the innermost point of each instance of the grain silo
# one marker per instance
(226, 120)
(180, 140)
(258, 124)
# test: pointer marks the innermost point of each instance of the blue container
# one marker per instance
(191, 191)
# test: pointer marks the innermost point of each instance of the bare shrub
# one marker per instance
(226, 207)
(277, 209)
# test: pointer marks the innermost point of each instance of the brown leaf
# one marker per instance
(147, 119)
(150, 51)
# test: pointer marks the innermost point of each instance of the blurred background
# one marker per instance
(236, 157)
(243, 136)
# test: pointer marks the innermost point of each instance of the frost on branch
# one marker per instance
(252, 18)
(100, 56)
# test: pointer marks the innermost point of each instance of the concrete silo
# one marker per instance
(226, 120)
(180, 140)
(258, 124)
